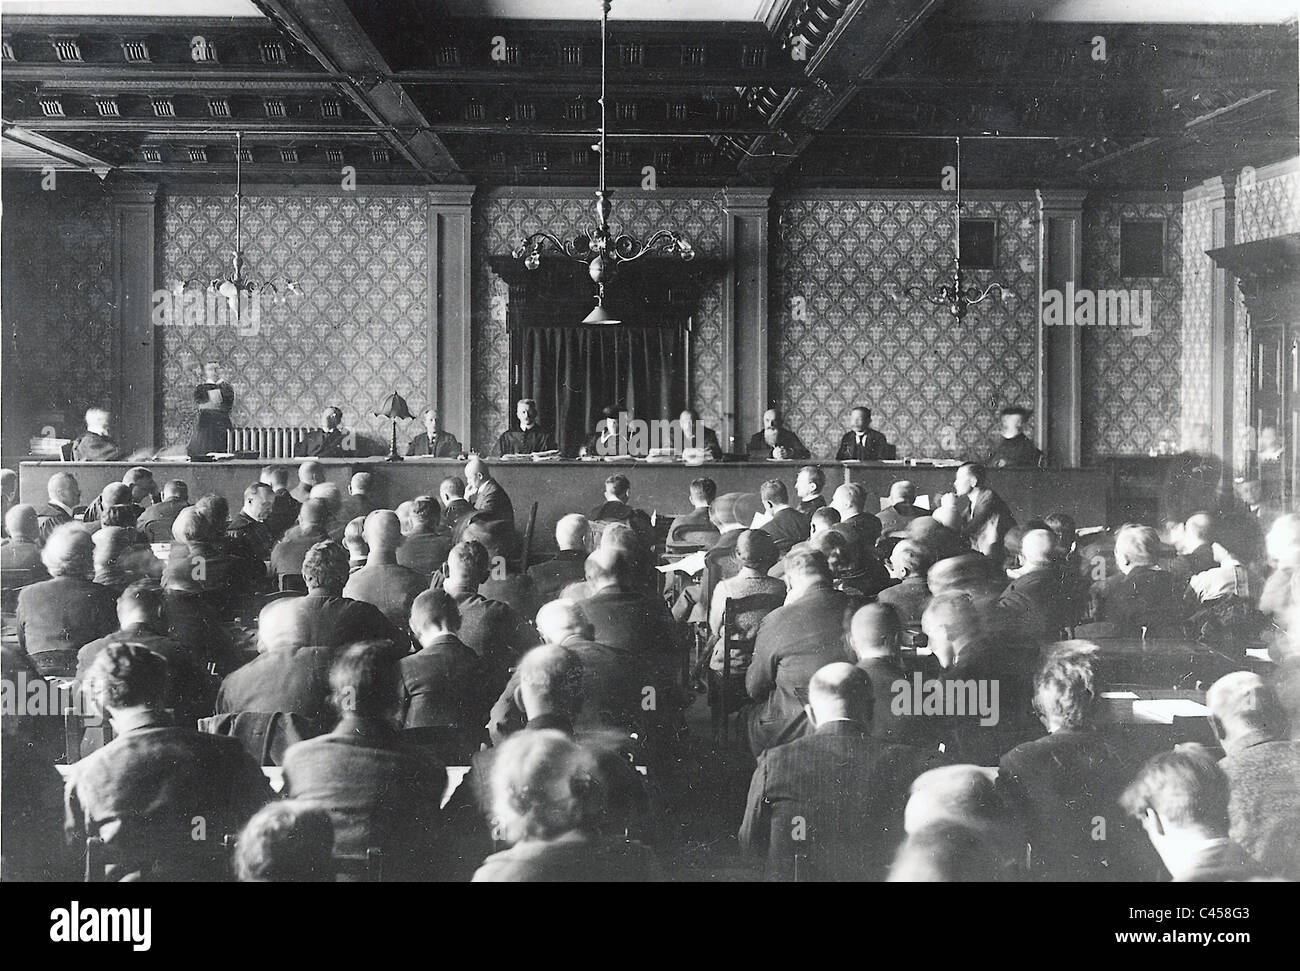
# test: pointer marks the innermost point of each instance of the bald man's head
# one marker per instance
(22, 524)
(561, 619)
(383, 532)
(1038, 548)
(281, 627)
(875, 630)
(902, 491)
(314, 514)
(361, 484)
(573, 532)
(840, 691)
(189, 527)
(331, 494)
(311, 473)
(476, 470)
(606, 568)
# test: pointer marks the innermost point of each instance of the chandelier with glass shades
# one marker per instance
(235, 285)
(955, 296)
(600, 249)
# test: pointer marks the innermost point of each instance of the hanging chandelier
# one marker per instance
(955, 295)
(234, 285)
(600, 249)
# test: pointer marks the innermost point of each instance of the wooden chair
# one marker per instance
(368, 868)
(292, 583)
(740, 619)
(528, 539)
(13, 580)
(691, 537)
(74, 731)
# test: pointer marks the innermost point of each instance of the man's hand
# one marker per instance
(783, 452)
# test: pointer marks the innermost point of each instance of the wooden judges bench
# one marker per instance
(561, 487)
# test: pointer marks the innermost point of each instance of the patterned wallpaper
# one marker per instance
(58, 303)
(1131, 382)
(845, 330)
(358, 329)
(501, 221)
(1197, 330)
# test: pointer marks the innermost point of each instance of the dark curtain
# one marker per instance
(574, 372)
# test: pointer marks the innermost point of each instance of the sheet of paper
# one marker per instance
(690, 565)
(1165, 710)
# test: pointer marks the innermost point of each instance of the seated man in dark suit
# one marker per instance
(626, 618)
(615, 508)
(786, 526)
(22, 551)
(331, 440)
(862, 443)
(289, 675)
(731, 512)
(901, 509)
(775, 441)
(284, 507)
(850, 501)
(702, 493)
(312, 528)
(829, 806)
(488, 495)
(444, 684)
(156, 521)
(1042, 590)
(1181, 799)
(142, 792)
(115, 495)
(1013, 449)
(433, 440)
(56, 617)
(491, 629)
(693, 437)
(529, 437)
(808, 486)
(383, 581)
(1140, 595)
(380, 791)
(333, 620)
(197, 563)
(64, 495)
(140, 621)
(908, 563)
(248, 527)
(1063, 783)
(860, 580)
(426, 546)
(605, 439)
(875, 634)
(1196, 546)
(96, 443)
(573, 537)
(793, 642)
(989, 519)
(455, 507)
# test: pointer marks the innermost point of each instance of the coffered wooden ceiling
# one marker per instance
(854, 93)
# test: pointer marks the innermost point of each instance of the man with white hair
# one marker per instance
(57, 616)
(901, 508)
(829, 806)
(1142, 598)
(1263, 769)
(64, 495)
(96, 443)
(573, 537)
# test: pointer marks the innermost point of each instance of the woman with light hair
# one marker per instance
(57, 616)
(547, 794)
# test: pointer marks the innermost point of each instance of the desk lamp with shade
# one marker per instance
(395, 409)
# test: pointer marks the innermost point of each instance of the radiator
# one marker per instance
(268, 441)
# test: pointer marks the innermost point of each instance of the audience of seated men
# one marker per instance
(55, 617)
(333, 620)
(381, 791)
(793, 642)
(785, 525)
(284, 507)
(383, 581)
(248, 528)
(573, 537)
(1063, 783)
(1181, 799)
(289, 675)
(142, 792)
(312, 528)
(445, 690)
(829, 805)
(548, 799)
(1141, 598)
(1263, 770)
(426, 544)
(189, 690)
(156, 520)
(22, 549)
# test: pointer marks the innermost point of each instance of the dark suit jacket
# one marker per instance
(156, 521)
(1146, 597)
(991, 507)
(444, 685)
(1197, 561)
(142, 791)
(914, 729)
(1060, 785)
(633, 622)
(498, 635)
(864, 530)
(712, 450)
(1049, 596)
(252, 534)
(615, 511)
(288, 554)
(289, 680)
(389, 586)
(50, 516)
(793, 642)
(189, 692)
(787, 527)
(63, 614)
(829, 806)
(516, 441)
(380, 792)
(909, 598)
(445, 447)
(457, 510)
(1018, 452)
(494, 500)
(284, 513)
(425, 553)
(322, 444)
(93, 447)
(15, 555)
(874, 448)
(193, 621)
(896, 517)
(810, 506)
(551, 577)
(759, 449)
(336, 622)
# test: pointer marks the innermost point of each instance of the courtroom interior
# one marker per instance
(707, 440)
